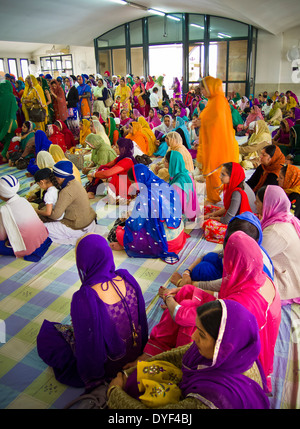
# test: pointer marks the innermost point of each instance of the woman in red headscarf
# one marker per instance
(56, 137)
(236, 201)
(69, 138)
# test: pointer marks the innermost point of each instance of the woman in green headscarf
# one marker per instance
(182, 181)
(112, 130)
(236, 117)
(8, 116)
(101, 153)
(129, 81)
(275, 115)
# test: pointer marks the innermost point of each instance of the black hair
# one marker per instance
(155, 89)
(244, 225)
(46, 174)
(261, 193)
(168, 156)
(27, 124)
(210, 316)
(283, 170)
(228, 168)
(130, 174)
(96, 114)
(270, 149)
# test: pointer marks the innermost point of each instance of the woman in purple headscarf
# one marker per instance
(109, 324)
(220, 370)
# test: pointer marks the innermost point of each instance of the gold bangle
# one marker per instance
(110, 390)
(177, 284)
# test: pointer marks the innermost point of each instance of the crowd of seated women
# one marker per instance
(139, 151)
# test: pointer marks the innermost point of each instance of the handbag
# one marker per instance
(37, 114)
(109, 101)
(96, 399)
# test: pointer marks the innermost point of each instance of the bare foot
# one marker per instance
(116, 246)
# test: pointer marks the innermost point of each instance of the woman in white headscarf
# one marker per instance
(22, 233)
(99, 129)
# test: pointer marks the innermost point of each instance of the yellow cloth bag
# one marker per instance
(158, 381)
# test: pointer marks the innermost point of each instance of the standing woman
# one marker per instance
(217, 143)
(8, 117)
(176, 89)
(44, 84)
(99, 96)
(137, 92)
(85, 93)
(124, 92)
(34, 98)
(72, 98)
(59, 101)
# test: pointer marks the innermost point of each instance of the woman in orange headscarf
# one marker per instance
(217, 143)
(289, 181)
(136, 134)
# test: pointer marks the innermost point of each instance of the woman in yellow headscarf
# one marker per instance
(149, 134)
(85, 130)
(217, 143)
(34, 97)
(58, 155)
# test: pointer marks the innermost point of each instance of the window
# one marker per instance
(2, 65)
(196, 27)
(24, 67)
(237, 59)
(119, 61)
(12, 66)
(136, 32)
(165, 29)
(196, 62)
(222, 28)
(137, 61)
(104, 61)
(114, 37)
(217, 59)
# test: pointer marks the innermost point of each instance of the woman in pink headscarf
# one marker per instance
(281, 239)
(254, 115)
(153, 120)
(150, 83)
(243, 281)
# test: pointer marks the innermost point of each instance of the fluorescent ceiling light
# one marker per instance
(123, 2)
(197, 26)
(224, 35)
(173, 17)
(156, 12)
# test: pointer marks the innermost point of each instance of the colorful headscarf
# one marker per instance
(277, 160)
(8, 108)
(220, 382)
(155, 205)
(179, 175)
(236, 178)
(41, 141)
(292, 179)
(276, 209)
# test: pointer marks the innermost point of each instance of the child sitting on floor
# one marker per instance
(47, 181)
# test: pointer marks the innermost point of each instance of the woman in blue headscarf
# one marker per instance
(85, 96)
(155, 228)
(207, 272)
(41, 142)
(180, 128)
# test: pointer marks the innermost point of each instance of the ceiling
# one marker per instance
(78, 22)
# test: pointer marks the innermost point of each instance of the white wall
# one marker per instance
(83, 57)
(273, 70)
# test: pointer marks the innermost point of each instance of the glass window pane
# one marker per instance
(217, 59)
(137, 61)
(119, 61)
(58, 64)
(226, 28)
(196, 62)
(236, 87)
(237, 60)
(114, 37)
(169, 59)
(104, 61)
(164, 30)
(196, 27)
(24, 68)
(136, 32)
(2, 64)
(12, 66)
